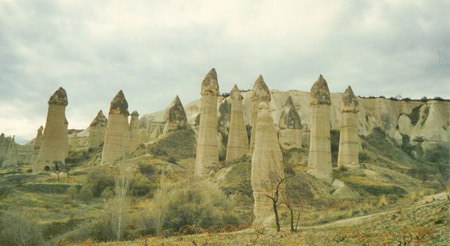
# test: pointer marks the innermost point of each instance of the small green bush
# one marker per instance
(85, 194)
(98, 180)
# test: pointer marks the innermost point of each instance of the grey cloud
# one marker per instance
(155, 50)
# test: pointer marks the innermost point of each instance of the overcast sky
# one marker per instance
(154, 50)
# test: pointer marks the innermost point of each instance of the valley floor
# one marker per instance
(424, 223)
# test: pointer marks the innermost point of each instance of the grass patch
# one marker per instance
(179, 144)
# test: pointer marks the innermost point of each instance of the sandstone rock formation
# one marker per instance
(116, 135)
(97, 130)
(175, 116)
(319, 160)
(290, 126)
(267, 166)
(260, 93)
(55, 144)
(38, 143)
(349, 144)
(237, 146)
(207, 155)
(135, 137)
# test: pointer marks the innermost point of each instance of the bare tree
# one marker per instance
(292, 201)
(120, 202)
(276, 201)
(160, 205)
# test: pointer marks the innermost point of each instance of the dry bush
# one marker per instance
(20, 228)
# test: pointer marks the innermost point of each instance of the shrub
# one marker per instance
(20, 228)
(196, 204)
(72, 192)
(99, 179)
(172, 160)
(363, 157)
(147, 170)
(85, 194)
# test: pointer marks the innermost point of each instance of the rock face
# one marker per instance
(290, 126)
(116, 135)
(207, 155)
(267, 166)
(135, 138)
(319, 160)
(38, 143)
(260, 93)
(175, 116)
(97, 130)
(55, 144)
(349, 143)
(237, 146)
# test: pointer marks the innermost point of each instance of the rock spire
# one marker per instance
(237, 146)
(55, 142)
(290, 126)
(267, 166)
(116, 135)
(175, 116)
(319, 160)
(97, 130)
(349, 144)
(260, 93)
(207, 155)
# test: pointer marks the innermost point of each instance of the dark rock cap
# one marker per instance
(236, 93)
(100, 120)
(289, 118)
(320, 94)
(175, 112)
(349, 101)
(135, 114)
(59, 97)
(119, 102)
(210, 86)
(260, 90)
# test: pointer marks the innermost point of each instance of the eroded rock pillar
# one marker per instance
(207, 155)
(54, 145)
(319, 161)
(267, 167)
(237, 145)
(349, 140)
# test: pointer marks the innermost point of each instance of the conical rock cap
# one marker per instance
(320, 94)
(59, 97)
(260, 90)
(119, 104)
(210, 86)
(99, 120)
(349, 101)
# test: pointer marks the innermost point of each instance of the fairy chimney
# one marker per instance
(54, 145)
(349, 144)
(97, 130)
(260, 93)
(237, 146)
(38, 143)
(319, 161)
(290, 126)
(135, 132)
(175, 116)
(116, 135)
(267, 166)
(207, 155)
